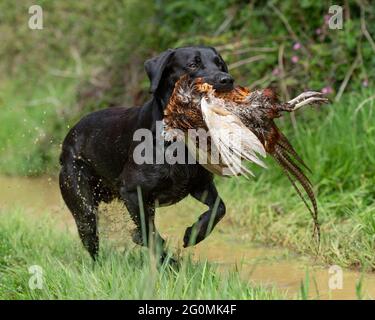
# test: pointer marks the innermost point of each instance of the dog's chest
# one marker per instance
(177, 182)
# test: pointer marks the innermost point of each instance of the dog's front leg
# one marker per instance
(142, 213)
(208, 220)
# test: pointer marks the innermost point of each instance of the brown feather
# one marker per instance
(291, 169)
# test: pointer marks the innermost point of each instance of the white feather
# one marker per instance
(233, 140)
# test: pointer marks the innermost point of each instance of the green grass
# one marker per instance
(68, 272)
(338, 143)
(32, 126)
(45, 75)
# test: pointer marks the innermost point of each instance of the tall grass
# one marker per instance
(44, 74)
(68, 272)
(33, 123)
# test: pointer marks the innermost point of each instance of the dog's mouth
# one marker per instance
(223, 87)
(222, 82)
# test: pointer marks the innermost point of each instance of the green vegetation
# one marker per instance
(68, 272)
(49, 78)
(90, 55)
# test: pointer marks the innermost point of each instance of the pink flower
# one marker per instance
(318, 31)
(326, 18)
(365, 83)
(276, 71)
(327, 90)
(294, 59)
(297, 46)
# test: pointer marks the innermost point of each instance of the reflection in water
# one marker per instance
(227, 247)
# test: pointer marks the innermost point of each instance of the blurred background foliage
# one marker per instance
(90, 55)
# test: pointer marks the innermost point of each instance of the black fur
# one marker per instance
(97, 163)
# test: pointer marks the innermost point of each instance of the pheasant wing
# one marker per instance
(231, 138)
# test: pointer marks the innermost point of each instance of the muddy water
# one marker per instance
(227, 247)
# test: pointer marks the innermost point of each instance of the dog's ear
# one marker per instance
(155, 66)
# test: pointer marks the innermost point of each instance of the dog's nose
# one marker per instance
(226, 80)
(223, 82)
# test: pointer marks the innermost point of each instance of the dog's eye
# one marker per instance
(193, 65)
(219, 63)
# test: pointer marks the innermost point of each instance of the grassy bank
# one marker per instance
(68, 272)
(338, 145)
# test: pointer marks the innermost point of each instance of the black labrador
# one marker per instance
(97, 157)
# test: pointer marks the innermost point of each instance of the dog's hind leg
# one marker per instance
(79, 189)
(208, 220)
(142, 213)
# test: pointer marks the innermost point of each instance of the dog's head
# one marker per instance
(198, 62)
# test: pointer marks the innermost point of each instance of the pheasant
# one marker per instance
(240, 126)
